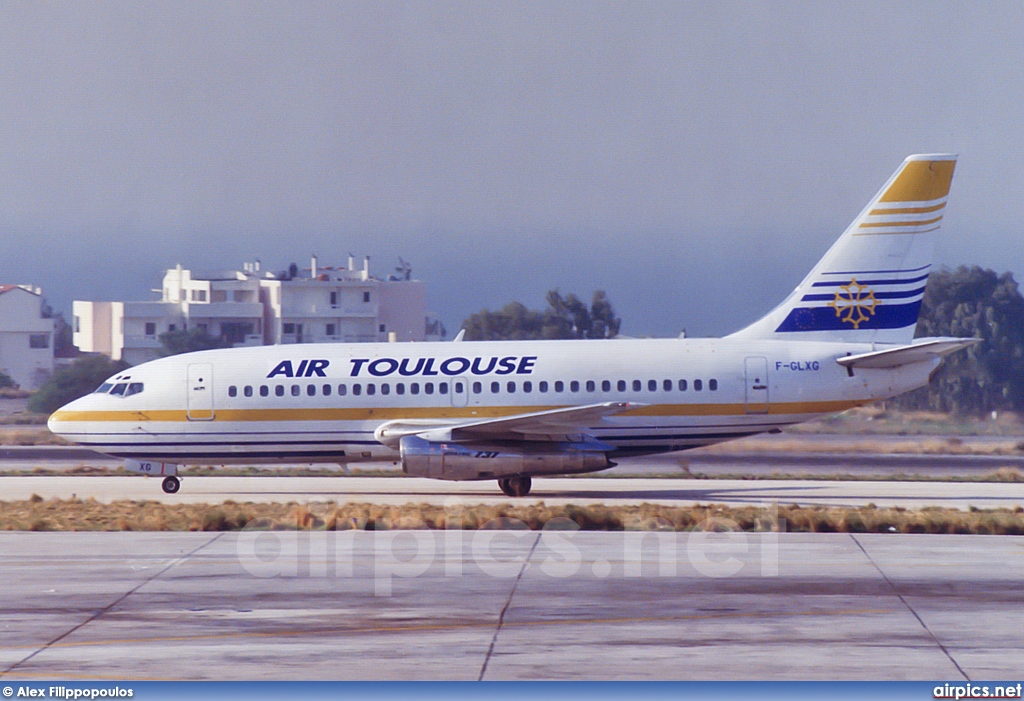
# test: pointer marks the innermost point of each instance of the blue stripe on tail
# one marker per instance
(888, 316)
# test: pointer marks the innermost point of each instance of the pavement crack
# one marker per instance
(504, 610)
(910, 608)
(111, 605)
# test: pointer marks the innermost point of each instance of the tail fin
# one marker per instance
(869, 286)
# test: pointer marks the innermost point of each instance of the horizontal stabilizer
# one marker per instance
(922, 350)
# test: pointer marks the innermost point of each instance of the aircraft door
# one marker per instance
(460, 391)
(757, 385)
(200, 392)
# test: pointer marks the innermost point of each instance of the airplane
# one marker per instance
(513, 410)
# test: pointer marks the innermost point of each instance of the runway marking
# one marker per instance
(434, 627)
(910, 608)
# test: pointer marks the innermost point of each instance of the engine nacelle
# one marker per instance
(481, 461)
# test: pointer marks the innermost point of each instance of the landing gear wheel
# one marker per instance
(515, 486)
(171, 485)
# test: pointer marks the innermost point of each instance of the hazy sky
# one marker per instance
(692, 159)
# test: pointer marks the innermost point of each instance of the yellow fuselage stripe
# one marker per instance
(391, 413)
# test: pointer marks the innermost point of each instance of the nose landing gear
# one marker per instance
(171, 485)
(515, 486)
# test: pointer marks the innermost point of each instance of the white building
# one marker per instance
(26, 338)
(254, 307)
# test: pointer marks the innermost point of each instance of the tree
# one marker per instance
(973, 302)
(73, 381)
(175, 342)
(7, 382)
(565, 317)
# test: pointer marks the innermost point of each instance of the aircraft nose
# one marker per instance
(58, 423)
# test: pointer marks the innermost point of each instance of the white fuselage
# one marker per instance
(323, 402)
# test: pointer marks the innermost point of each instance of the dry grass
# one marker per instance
(37, 514)
(29, 436)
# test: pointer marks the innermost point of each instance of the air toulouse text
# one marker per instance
(411, 367)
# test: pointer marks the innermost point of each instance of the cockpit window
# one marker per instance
(134, 388)
(104, 388)
(119, 388)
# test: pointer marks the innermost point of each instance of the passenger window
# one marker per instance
(652, 385)
(698, 385)
(232, 391)
(621, 385)
(400, 388)
(527, 386)
(429, 388)
(442, 388)
(511, 387)
(477, 388)
(414, 388)
(606, 386)
(713, 385)
(311, 390)
(385, 388)
(279, 390)
(264, 391)
(667, 385)
(637, 385)
(296, 390)
(682, 385)
(104, 388)
(542, 386)
(371, 389)
(133, 388)
(327, 390)
(559, 387)
(574, 386)
(591, 386)
(247, 391)
(357, 390)
(342, 390)
(495, 387)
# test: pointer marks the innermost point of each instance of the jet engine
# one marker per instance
(497, 459)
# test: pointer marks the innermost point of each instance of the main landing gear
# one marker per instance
(171, 485)
(515, 486)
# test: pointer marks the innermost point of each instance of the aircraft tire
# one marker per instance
(515, 486)
(171, 485)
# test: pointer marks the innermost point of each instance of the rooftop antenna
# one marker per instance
(404, 269)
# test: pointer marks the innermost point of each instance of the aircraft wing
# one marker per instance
(550, 425)
(921, 350)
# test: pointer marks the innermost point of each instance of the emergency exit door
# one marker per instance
(757, 385)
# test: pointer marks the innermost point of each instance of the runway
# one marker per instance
(552, 491)
(509, 605)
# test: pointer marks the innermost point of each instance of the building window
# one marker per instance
(334, 299)
(172, 327)
(78, 324)
(151, 328)
(288, 328)
(383, 328)
(332, 329)
(39, 340)
(366, 297)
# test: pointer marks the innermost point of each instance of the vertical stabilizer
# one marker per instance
(869, 286)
